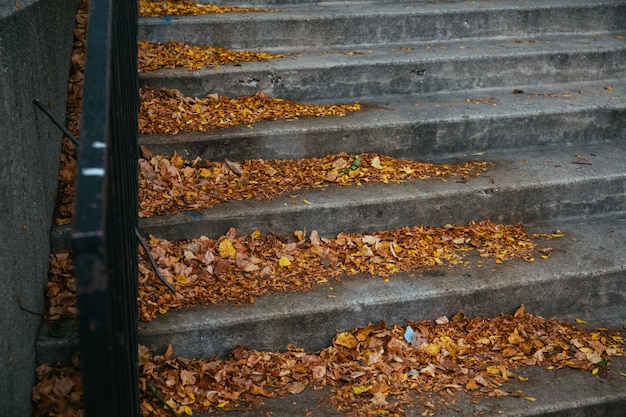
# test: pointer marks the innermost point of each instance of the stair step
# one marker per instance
(425, 126)
(346, 74)
(521, 187)
(374, 23)
(583, 278)
(558, 393)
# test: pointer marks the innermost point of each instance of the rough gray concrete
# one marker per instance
(426, 126)
(352, 24)
(35, 48)
(423, 68)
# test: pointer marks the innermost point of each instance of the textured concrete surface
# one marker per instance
(426, 126)
(422, 68)
(366, 23)
(35, 47)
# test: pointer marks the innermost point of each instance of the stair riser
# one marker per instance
(313, 326)
(329, 215)
(300, 29)
(354, 80)
(420, 139)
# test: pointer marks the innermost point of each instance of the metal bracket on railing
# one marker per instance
(56, 122)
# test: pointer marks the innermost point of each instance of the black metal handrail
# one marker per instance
(104, 238)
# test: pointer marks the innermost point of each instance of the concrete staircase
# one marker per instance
(536, 87)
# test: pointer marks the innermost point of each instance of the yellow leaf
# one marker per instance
(376, 163)
(493, 370)
(182, 279)
(622, 373)
(514, 338)
(530, 398)
(226, 249)
(581, 321)
(205, 173)
(256, 234)
(346, 339)
(305, 201)
(432, 349)
(284, 261)
(361, 389)
(223, 404)
(595, 371)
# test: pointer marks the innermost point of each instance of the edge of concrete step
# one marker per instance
(425, 126)
(344, 74)
(352, 23)
(558, 393)
(584, 278)
(547, 183)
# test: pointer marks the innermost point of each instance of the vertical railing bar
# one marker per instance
(105, 243)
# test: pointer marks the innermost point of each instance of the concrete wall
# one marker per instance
(35, 47)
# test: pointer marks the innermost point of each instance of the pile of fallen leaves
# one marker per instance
(160, 8)
(154, 55)
(67, 172)
(60, 289)
(58, 390)
(167, 111)
(239, 268)
(169, 184)
(371, 370)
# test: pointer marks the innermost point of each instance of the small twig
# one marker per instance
(152, 389)
(581, 163)
(56, 122)
(154, 265)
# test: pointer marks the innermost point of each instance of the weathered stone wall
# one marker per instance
(35, 48)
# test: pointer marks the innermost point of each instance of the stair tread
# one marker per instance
(414, 126)
(563, 392)
(523, 185)
(431, 50)
(346, 73)
(338, 23)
